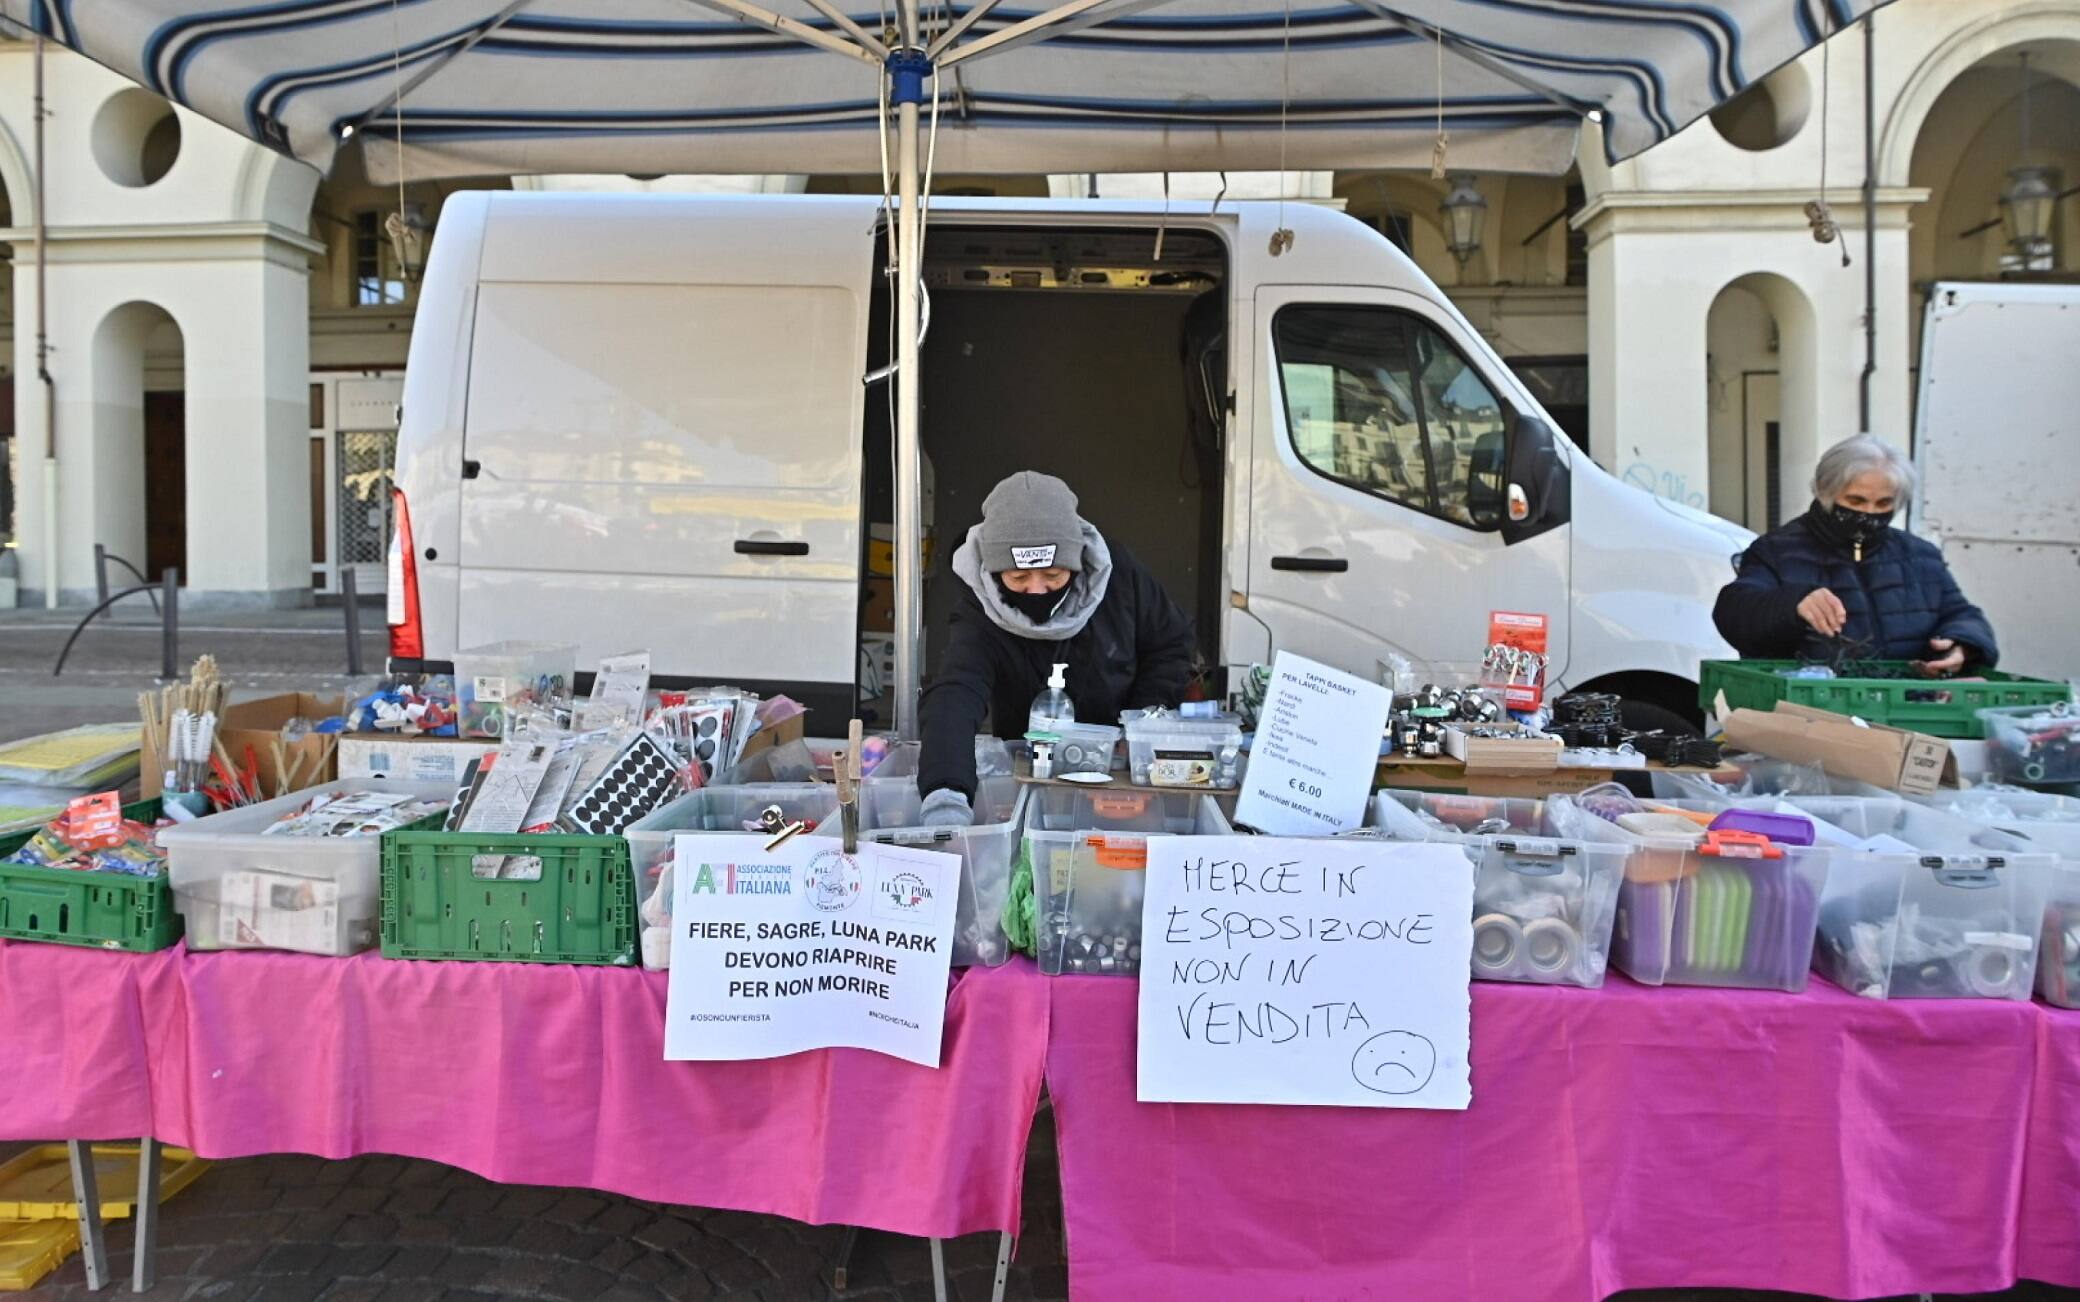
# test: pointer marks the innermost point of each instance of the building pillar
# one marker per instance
(1646, 357)
(248, 442)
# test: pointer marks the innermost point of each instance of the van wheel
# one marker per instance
(1645, 716)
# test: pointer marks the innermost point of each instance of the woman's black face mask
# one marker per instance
(1864, 527)
(1035, 606)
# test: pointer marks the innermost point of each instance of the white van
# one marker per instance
(1996, 421)
(641, 421)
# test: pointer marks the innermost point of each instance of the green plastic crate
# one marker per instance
(64, 906)
(582, 910)
(1940, 707)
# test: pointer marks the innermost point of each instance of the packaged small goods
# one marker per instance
(93, 836)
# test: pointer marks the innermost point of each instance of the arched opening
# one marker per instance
(2016, 108)
(1768, 113)
(138, 467)
(136, 138)
(1759, 404)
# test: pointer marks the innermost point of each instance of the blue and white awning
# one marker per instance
(518, 86)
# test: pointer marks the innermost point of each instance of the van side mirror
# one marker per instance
(1540, 495)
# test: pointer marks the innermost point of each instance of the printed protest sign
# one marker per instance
(807, 947)
(1289, 971)
(1316, 748)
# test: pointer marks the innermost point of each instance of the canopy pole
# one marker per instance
(907, 70)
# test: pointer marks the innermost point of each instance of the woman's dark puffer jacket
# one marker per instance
(1898, 597)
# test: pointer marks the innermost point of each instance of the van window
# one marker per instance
(1379, 400)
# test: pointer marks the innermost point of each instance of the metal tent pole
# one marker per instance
(907, 70)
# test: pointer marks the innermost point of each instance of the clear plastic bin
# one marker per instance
(1170, 751)
(1941, 907)
(2033, 743)
(494, 678)
(2049, 823)
(985, 849)
(722, 809)
(889, 795)
(238, 889)
(1543, 901)
(1689, 914)
(1088, 851)
(1084, 748)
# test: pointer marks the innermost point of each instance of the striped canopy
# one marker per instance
(652, 86)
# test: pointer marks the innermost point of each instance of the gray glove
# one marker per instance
(946, 807)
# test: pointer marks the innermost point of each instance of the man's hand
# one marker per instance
(1948, 660)
(1824, 611)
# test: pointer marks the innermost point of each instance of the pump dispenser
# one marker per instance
(1052, 706)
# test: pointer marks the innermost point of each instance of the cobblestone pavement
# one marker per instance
(389, 1229)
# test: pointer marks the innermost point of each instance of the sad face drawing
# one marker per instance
(1394, 1062)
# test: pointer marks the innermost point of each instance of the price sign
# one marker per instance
(1317, 746)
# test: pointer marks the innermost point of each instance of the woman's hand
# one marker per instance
(1824, 611)
(1949, 660)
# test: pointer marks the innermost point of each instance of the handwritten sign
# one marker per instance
(1317, 746)
(1289, 971)
(807, 947)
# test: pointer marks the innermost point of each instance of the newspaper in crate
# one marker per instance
(257, 909)
(1318, 971)
(804, 946)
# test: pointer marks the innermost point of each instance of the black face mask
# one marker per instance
(1860, 531)
(1035, 606)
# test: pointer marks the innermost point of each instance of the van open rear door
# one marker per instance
(662, 447)
(1997, 441)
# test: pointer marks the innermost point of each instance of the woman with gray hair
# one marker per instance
(1841, 579)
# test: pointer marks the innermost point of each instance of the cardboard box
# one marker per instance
(1450, 778)
(877, 606)
(1528, 753)
(409, 759)
(258, 724)
(779, 734)
(1911, 763)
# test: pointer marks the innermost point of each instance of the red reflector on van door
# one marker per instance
(406, 640)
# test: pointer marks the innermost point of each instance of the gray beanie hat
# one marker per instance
(1029, 522)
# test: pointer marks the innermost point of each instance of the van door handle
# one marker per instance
(763, 547)
(471, 469)
(1311, 564)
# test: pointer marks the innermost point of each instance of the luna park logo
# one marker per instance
(832, 881)
(904, 893)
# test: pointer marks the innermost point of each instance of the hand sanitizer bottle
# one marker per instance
(1052, 706)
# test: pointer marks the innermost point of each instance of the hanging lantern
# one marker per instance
(2029, 202)
(409, 233)
(1465, 212)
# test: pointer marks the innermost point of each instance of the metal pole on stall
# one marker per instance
(907, 69)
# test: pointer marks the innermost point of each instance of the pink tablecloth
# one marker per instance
(2051, 1170)
(522, 1073)
(1620, 1138)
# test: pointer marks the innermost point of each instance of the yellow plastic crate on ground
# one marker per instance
(37, 1185)
(29, 1250)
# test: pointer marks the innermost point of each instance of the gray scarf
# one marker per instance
(1079, 600)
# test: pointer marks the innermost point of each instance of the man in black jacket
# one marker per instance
(1841, 575)
(1040, 587)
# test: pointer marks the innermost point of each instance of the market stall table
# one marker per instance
(524, 1073)
(1620, 1138)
